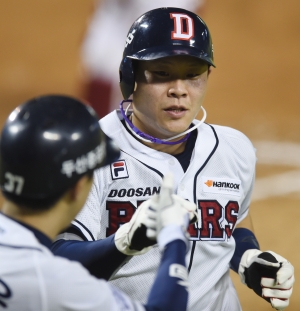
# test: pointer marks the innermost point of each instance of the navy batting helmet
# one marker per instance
(160, 33)
(47, 144)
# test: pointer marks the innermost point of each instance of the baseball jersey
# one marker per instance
(32, 278)
(219, 179)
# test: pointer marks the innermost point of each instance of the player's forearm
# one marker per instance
(244, 240)
(169, 291)
(100, 257)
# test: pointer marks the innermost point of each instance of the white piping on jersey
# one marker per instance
(68, 236)
(168, 139)
(83, 230)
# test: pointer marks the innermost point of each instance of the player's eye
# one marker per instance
(161, 73)
(192, 75)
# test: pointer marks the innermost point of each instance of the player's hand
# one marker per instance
(167, 210)
(269, 275)
(131, 238)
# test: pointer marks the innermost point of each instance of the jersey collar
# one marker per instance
(42, 238)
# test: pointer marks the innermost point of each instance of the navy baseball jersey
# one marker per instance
(219, 179)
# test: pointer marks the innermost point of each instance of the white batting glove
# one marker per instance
(131, 238)
(269, 275)
(167, 210)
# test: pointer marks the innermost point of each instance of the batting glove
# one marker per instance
(269, 275)
(131, 238)
(167, 210)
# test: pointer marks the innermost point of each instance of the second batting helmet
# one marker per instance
(47, 144)
(160, 33)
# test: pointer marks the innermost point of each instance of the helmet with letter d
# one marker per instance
(161, 33)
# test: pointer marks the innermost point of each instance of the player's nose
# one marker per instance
(177, 89)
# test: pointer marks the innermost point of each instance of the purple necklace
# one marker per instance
(145, 136)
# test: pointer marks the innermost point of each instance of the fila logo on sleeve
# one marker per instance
(183, 27)
(119, 170)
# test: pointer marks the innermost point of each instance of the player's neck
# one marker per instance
(170, 149)
(49, 222)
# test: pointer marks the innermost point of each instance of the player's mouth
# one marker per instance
(177, 112)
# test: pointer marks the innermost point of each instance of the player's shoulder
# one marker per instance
(16, 236)
(63, 264)
(79, 286)
(70, 272)
(234, 141)
(229, 133)
(110, 124)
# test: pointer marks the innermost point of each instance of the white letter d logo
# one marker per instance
(179, 20)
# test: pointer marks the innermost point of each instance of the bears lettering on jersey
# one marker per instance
(216, 222)
(118, 214)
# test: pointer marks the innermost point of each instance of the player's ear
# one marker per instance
(76, 191)
(209, 70)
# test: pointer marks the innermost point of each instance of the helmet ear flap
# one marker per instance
(127, 80)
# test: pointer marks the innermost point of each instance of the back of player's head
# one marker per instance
(47, 144)
(161, 33)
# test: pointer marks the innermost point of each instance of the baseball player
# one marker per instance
(50, 147)
(166, 65)
(101, 86)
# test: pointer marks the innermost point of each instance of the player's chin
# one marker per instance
(175, 128)
(179, 125)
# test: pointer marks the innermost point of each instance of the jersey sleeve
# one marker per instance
(248, 172)
(170, 288)
(247, 200)
(244, 158)
(101, 258)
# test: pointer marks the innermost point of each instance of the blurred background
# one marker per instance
(255, 89)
